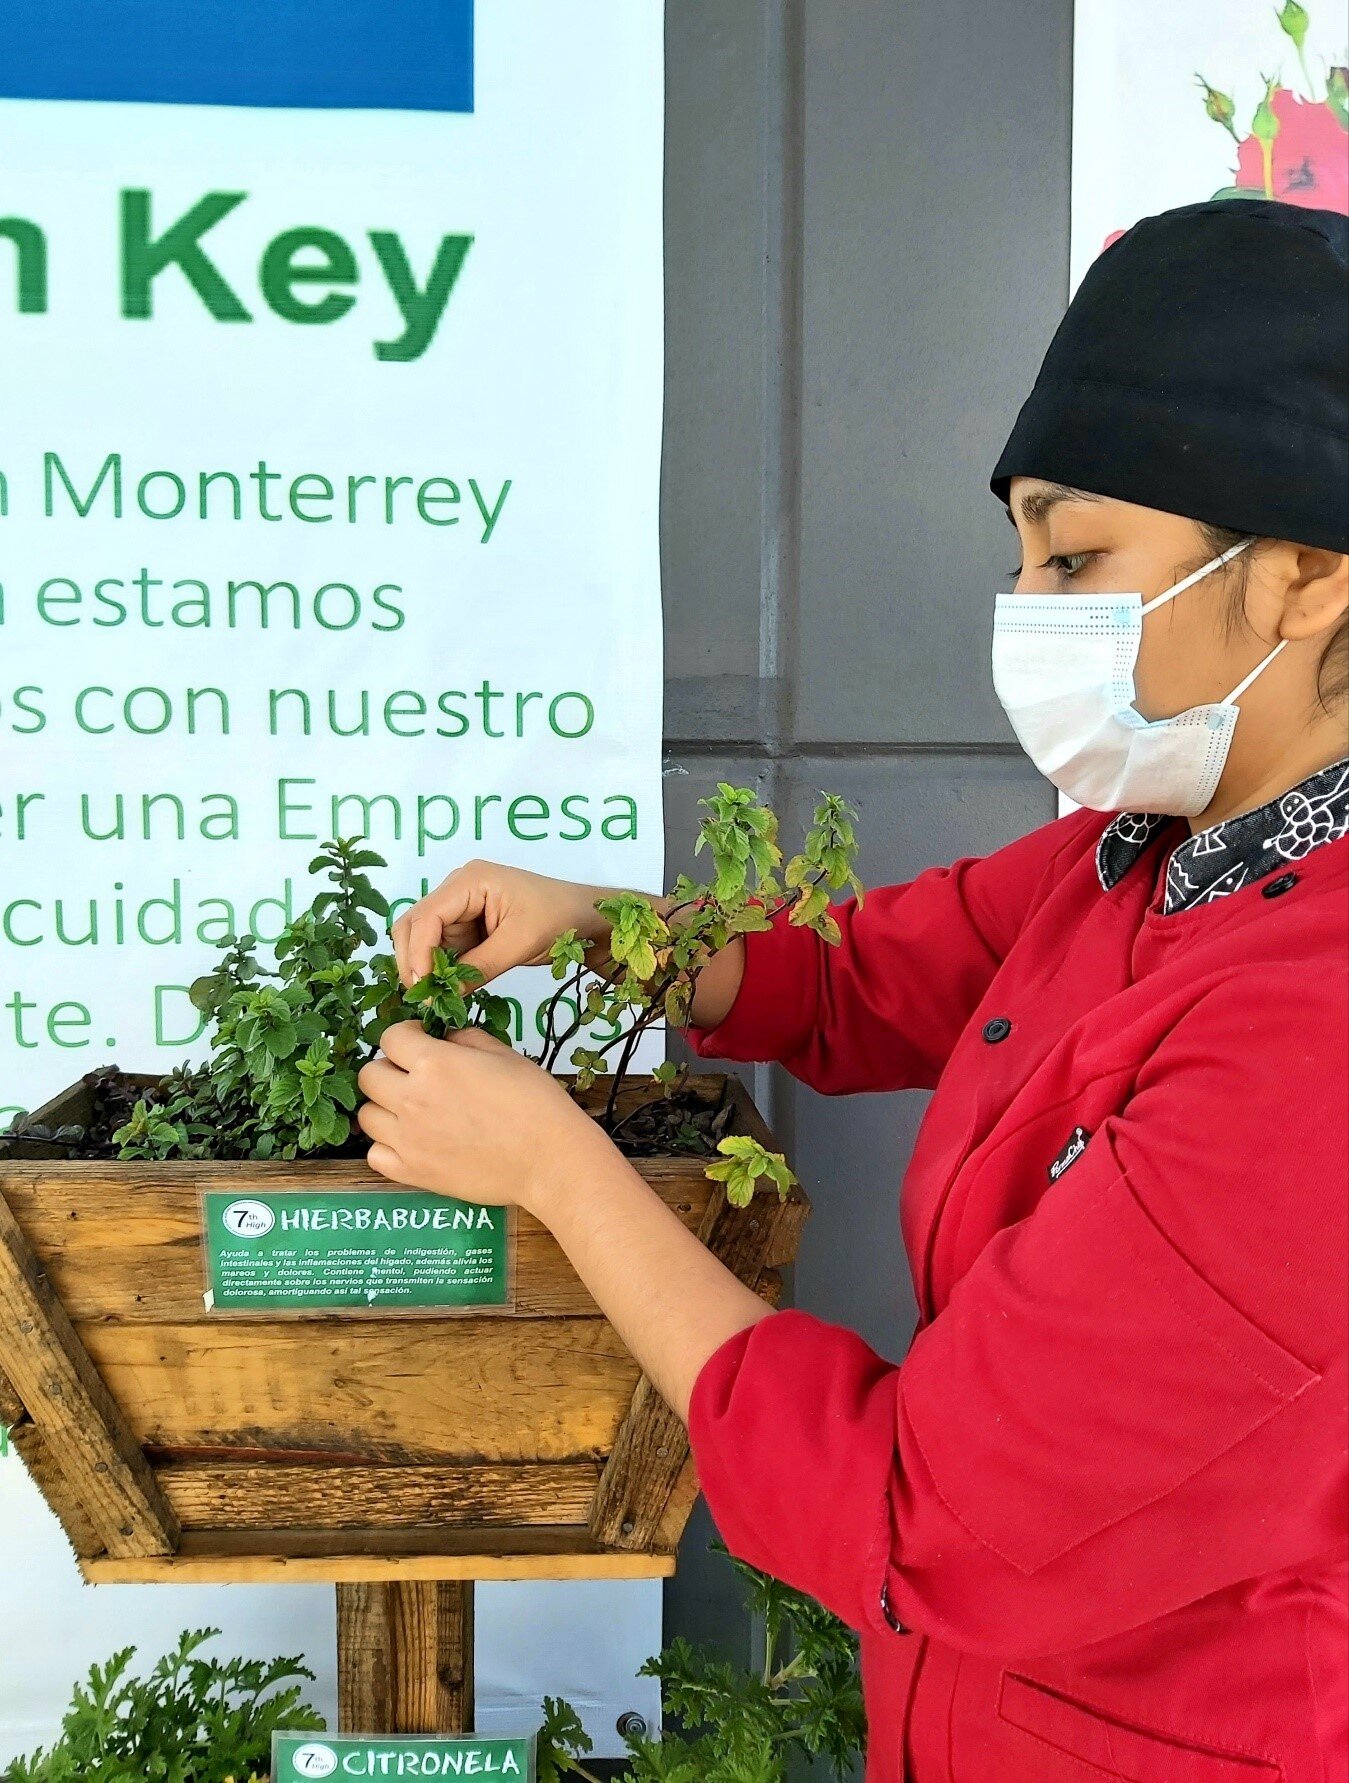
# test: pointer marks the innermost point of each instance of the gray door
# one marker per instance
(867, 252)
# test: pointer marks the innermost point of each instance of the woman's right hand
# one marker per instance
(495, 917)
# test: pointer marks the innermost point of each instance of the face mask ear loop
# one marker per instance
(1259, 669)
(1214, 563)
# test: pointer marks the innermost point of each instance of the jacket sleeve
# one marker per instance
(1135, 1396)
(882, 1008)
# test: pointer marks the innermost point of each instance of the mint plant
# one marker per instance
(657, 957)
(288, 1041)
(730, 1724)
(193, 1719)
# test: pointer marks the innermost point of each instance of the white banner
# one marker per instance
(329, 475)
(355, 529)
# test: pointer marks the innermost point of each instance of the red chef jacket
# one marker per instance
(1093, 1524)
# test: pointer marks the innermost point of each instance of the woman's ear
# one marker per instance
(1310, 586)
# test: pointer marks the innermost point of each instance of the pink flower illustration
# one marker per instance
(1296, 149)
(1305, 160)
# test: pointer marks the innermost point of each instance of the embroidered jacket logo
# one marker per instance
(1071, 1152)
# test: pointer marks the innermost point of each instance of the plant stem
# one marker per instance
(795, 1668)
(548, 1030)
(1306, 72)
(553, 1043)
(625, 1060)
(577, 1769)
(550, 1058)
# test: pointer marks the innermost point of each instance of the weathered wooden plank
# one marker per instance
(405, 1658)
(47, 1475)
(12, 1409)
(350, 1450)
(283, 1556)
(651, 1450)
(684, 1493)
(116, 1248)
(408, 1391)
(649, 1456)
(79, 1419)
(678, 1508)
(260, 1496)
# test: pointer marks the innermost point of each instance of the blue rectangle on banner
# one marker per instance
(415, 56)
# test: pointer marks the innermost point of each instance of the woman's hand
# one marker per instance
(469, 1117)
(495, 917)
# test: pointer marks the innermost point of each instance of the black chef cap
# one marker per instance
(1203, 369)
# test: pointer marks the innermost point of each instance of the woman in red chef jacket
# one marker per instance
(1093, 1524)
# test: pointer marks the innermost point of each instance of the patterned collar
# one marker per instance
(1228, 855)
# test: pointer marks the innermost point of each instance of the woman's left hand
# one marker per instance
(471, 1118)
(467, 1116)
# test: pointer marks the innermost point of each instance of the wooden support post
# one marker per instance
(651, 1453)
(405, 1658)
(47, 1474)
(81, 1425)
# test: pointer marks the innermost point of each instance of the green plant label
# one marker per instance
(299, 1758)
(373, 1250)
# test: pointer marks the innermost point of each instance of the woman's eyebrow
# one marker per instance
(1037, 505)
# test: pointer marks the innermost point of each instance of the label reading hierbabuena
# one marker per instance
(367, 1250)
(300, 1758)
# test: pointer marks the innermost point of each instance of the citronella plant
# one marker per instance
(193, 1719)
(730, 1724)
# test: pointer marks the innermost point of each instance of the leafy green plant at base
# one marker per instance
(734, 1725)
(289, 1042)
(193, 1719)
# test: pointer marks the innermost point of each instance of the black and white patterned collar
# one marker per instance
(1226, 856)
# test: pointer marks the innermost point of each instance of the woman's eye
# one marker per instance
(1065, 565)
(1068, 564)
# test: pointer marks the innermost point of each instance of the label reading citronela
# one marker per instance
(362, 1250)
(300, 1758)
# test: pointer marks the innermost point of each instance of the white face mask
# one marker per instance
(1063, 667)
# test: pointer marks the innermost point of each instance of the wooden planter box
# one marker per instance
(395, 1457)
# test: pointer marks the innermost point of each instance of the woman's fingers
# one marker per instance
(455, 906)
(492, 917)
(426, 932)
(501, 950)
(406, 1045)
(475, 1040)
(381, 1124)
(383, 1083)
(386, 1161)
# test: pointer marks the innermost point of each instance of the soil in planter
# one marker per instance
(683, 1124)
(113, 1096)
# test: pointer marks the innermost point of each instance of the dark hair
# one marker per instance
(1332, 678)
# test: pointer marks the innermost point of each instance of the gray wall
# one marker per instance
(867, 251)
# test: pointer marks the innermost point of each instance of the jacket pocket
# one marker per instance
(1115, 1748)
(1082, 1371)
